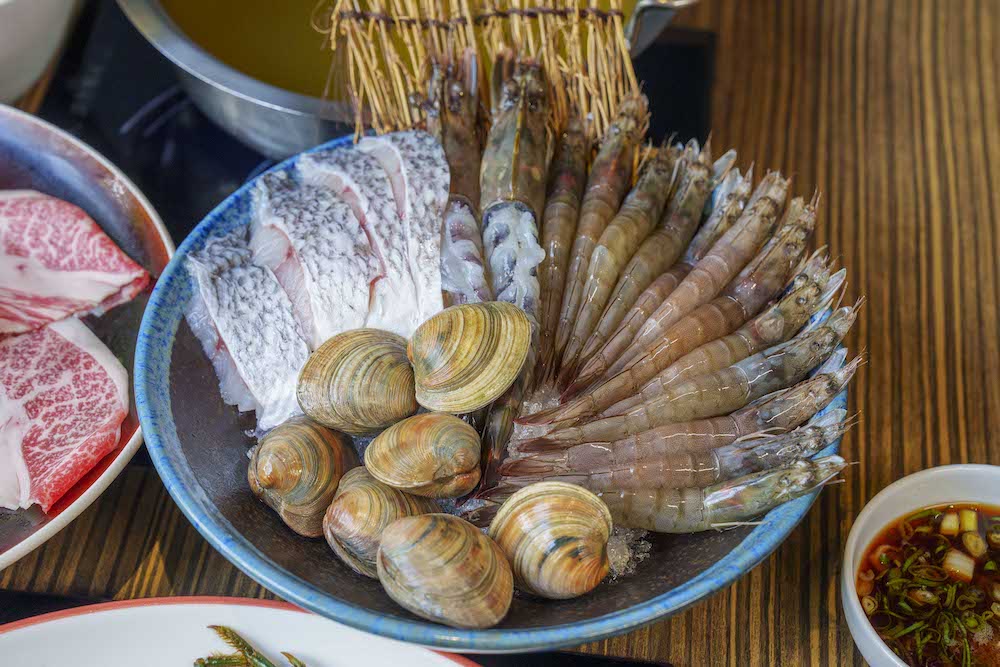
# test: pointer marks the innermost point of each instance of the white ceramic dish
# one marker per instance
(39, 156)
(30, 34)
(937, 486)
(167, 632)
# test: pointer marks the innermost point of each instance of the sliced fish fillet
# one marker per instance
(360, 181)
(55, 262)
(244, 321)
(316, 248)
(63, 397)
(418, 171)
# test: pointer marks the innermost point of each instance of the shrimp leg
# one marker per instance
(562, 206)
(451, 117)
(718, 267)
(692, 510)
(622, 237)
(681, 469)
(781, 411)
(513, 193)
(610, 176)
(759, 281)
(637, 294)
(723, 391)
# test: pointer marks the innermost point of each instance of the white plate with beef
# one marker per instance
(79, 249)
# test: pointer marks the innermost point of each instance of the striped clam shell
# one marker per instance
(555, 536)
(360, 511)
(466, 356)
(359, 382)
(295, 470)
(444, 569)
(434, 454)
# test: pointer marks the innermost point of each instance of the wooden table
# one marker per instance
(892, 110)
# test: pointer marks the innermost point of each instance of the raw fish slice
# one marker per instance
(360, 181)
(418, 171)
(317, 250)
(245, 324)
(63, 397)
(55, 261)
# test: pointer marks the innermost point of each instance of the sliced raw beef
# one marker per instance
(317, 250)
(360, 181)
(244, 321)
(55, 262)
(418, 171)
(63, 397)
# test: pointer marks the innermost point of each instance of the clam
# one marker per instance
(433, 454)
(444, 569)
(466, 356)
(360, 511)
(555, 536)
(295, 470)
(359, 382)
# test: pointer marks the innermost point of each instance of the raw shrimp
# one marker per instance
(610, 176)
(777, 323)
(513, 192)
(811, 291)
(728, 503)
(677, 469)
(512, 184)
(636, 218)
(562, 206)
(635, 297)
(723, 391)
(781, 411)
(453, 103)
(718, 267)
(759, 281)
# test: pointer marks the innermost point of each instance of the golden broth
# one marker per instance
(271, 40)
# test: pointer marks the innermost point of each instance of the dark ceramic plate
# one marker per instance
(199, 446)
(38, 156)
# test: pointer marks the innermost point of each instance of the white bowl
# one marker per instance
(937, 486)
(30, 34)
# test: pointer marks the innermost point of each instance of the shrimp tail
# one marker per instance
(528, 466)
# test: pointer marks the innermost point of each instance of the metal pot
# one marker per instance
(278, 122)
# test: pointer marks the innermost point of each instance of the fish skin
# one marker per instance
(360, 180)
(252, 319)
(331, 254)
(417, 167)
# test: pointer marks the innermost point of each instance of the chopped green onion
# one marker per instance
(950, 599)
(923, 514)
(905, 631)
(990, 566)
(974, 544)
(869, 605)
(909, 561)
(969, 520)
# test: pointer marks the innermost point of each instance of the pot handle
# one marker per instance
(648, 20)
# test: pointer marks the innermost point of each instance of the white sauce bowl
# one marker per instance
(30, 34)
(937, 486)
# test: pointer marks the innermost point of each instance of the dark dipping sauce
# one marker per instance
(930, 585)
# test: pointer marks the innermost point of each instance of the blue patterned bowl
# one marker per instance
(199, 446)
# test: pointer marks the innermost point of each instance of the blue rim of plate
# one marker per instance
(152, 397)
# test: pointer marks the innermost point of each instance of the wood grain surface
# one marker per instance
(891, 110)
